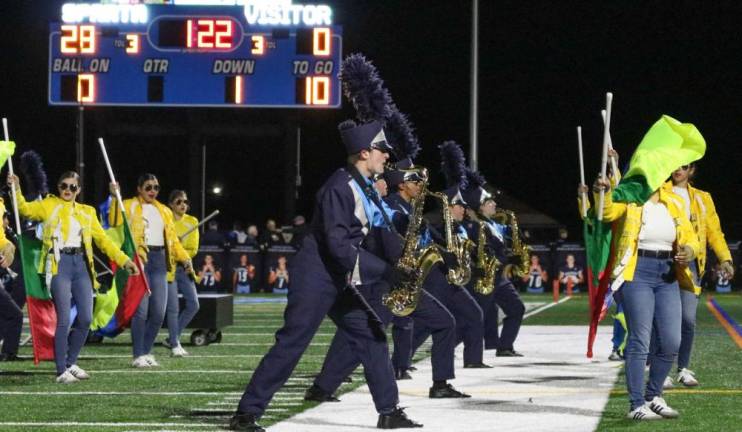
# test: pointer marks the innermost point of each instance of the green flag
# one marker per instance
(7, 148)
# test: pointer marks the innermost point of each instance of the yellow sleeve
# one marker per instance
(3, 240)
(180, 253)
(34, 210)
(579, 206)
(688, 236)
(611, 210)
(104, 243)
(190, 242)
(715, 236)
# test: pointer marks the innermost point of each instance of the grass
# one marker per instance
(205, 389)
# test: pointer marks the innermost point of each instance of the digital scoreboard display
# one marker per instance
(197, 53)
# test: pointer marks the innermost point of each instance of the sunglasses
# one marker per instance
(152, 187)
(180, 201)
(71, 186)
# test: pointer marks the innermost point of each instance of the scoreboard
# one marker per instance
(197, 53)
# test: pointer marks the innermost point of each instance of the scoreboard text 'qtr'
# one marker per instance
(198, 53)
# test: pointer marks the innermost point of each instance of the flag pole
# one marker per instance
(12, 189)
(612, 160)
(604, 156)
(200, 224)
(582, 171)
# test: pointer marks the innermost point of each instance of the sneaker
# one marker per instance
(643, 413)
(687, 378)
(78, 372)
(67, 378)
(660, 407)
(140, 362)
(615, 356)
(668, 384)
(178, 351)
(149, 358)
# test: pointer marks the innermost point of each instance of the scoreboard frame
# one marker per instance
(304, 71)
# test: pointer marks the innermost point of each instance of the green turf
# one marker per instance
(715, 404)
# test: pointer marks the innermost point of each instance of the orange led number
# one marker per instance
(321, 41)
(238, 90)
(132, 44)
(317, 91)
(258, 45)
(86, 88)
(77, 39)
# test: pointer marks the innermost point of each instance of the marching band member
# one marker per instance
(69, 230)
(700, 209)
(335, 274)
(11, 314)
(186, 227)
(153, 230)
(482, 207)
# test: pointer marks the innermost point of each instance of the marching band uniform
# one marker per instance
(335, 274)
(505, 295)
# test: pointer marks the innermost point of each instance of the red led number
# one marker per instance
(77, 39)
(209, 34)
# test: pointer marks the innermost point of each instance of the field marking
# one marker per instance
(544, 307)
(115, 393)
(102, 424)
(726, 321)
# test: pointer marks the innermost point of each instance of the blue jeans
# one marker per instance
(176, 323)
(148, 319)
(652, 297)
(72, 282)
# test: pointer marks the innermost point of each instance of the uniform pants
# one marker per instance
(505, 297)
(11, 321)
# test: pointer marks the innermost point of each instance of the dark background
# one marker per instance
(544, 69)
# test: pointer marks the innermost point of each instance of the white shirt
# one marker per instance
(74, 236)
(154, 226)
(683, 192)
(658, 228)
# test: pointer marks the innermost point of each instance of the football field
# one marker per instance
(200, 392)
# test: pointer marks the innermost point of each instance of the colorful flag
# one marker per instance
(115, 308)
(667, 145)
(41, 313)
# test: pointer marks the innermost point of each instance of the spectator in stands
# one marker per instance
(212, 236)
(237, 236)
(721, 279)
(252, 236)
(570, 271)
(243, 276)
(271, 235)
(536, 277)
(278, 276)
(210, 273)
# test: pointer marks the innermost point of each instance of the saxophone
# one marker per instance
(520, 249)
(461, 248)
(489, 264)
(415, 263)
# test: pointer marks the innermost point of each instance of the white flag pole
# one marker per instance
(604, 156)
(611, 159)
(12, 190)
(582, 171)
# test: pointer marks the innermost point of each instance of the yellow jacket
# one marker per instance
(3, 240)
(628, 222)
(174, 251)
(55, 214)
(190, 242)
(707, 226)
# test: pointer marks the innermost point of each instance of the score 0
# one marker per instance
(77, 39)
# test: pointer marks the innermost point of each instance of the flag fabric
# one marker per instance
(115, 308)
(41, 313)
(7, 148)
(667, 145)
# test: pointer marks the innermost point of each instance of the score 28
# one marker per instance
(77, 39)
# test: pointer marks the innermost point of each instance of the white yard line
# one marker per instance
(544, 307)
(553, 388)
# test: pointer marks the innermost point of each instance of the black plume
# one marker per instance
(401, 134)
(474, 179)
(453, 164)
(365, 89)
(34, 177)
(347, 124)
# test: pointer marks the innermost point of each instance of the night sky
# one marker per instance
(544, 69)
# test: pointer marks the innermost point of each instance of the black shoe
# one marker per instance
(397, 419)
(412, 369)
(402, 375)
(508, 353)
(316, 394)
(477, 366)
(245, 422)
(447, 392)
(8, 357)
